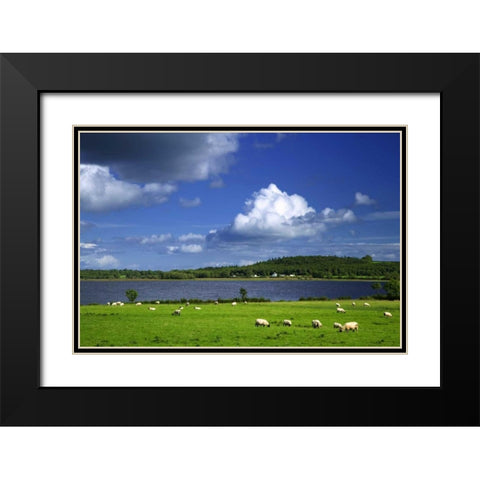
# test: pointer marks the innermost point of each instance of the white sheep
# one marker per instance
(366, 304)
(316, 324)
(158, 302)
(234, 303)
(387, 314)
(176, 312)
(216, 302)
(197, 308)
(354, 304)
(151, 308)
(261, 322)
(349, 326)
(187, 304)
(121, 304)
(337, 325)
(287, 323)
(337, 304)
(341, 310)
(138, 304)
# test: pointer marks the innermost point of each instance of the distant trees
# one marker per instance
(131, 295)
(307, 266)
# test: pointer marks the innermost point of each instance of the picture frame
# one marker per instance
(24, 77)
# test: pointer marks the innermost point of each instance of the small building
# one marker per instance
(274, 275)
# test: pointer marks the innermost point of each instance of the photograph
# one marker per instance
(218, 239)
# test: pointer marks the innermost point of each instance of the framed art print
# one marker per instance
(232, 230)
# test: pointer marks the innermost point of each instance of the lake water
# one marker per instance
(108, 291)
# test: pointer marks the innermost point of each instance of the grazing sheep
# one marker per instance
(341, 310)
(197, 308)
(316, 324)
(337, 304)
(151, 308)
(245, 301)
(287, 323)
(234, 303)
(354, 304)
(108, 303)
(176, 312)
(349, 326)
(216, 302)
(387, 314)
(366, 304)
(138, 304)
(187, 304)
(261, 322)
(337, 325)
(121, 304)
(158, 302)
(180, 308)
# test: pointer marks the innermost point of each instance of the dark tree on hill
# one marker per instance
(243, 293)
(131, 295)
(376, 286)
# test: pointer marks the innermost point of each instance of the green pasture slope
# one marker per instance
(225, 325)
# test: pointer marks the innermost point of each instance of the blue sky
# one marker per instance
(170, 200)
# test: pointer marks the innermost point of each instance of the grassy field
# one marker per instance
(225, 325)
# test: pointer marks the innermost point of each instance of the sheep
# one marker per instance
(337, 325)
(138, 304)
(366, 304)
(354, 304)
(108, 303)
(121, 304)
(197, 308)
(151, 308)
(261, 322)
(337, 304)
(234, 303)
(176, 312)
(341, 310)
(187, 304)
(349, 326)
(316, 324)
(387, 314)
(287, 323)
(216, 302)
(180, 308)
(158, 302)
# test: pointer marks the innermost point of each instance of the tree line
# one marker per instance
(325, 267)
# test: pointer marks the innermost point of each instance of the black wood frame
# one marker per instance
(23, 77)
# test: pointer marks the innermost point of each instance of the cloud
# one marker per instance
(271, 212)
(195, 202)
(277, 215)
(392, 215)
(161, 157)
(363, 199)
(107, 261)
(100, 191)
(88, 246)
(191, 237)
(191, 248)
(96, 261)
(85, 226)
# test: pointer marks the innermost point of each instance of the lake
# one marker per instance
(111, 291)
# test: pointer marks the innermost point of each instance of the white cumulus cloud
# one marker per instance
(271, 212)
(101, 191)
(363, 199)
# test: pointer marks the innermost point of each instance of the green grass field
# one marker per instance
(225, 325)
